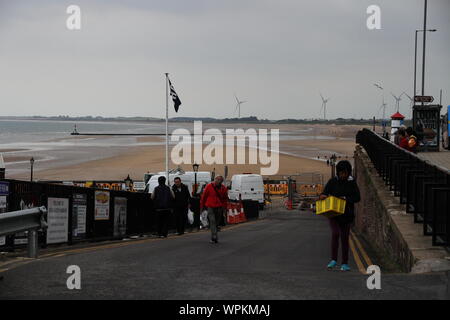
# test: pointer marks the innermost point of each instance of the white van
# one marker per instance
(247, 187)
(187, 178)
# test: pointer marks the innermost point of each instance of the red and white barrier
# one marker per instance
(235, 213)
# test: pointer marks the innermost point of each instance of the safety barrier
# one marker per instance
(30, 220)
(423, 187)
(235, 212)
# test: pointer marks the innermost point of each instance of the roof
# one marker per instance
(397, 115)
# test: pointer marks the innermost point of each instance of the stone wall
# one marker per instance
(374, 215)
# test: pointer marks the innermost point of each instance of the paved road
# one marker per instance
(281, 257)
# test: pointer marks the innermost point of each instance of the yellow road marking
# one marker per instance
(356, 257)
(361, 249)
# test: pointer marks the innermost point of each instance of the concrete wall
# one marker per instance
(374, 216)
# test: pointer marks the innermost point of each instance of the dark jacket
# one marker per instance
(182, 197)
(162, 197)
(348, 189)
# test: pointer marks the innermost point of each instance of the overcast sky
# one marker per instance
(277, 54)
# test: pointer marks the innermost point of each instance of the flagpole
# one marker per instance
(167, 128)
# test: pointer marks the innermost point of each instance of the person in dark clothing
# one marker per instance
(345, 187)
(162, 198)
(181, 204)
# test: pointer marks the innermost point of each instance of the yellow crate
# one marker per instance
(330, 207)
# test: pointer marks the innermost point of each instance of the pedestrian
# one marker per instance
(214, 199)
(342, 186)
(181, 204)
(412, 140)
(397, 135)
(328, 162)
(162, 198)
(403, 140)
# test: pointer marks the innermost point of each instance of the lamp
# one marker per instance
(195, 168)
(128, 182)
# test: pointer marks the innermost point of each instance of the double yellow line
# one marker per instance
(359, 248)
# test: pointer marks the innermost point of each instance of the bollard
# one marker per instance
(32, 244)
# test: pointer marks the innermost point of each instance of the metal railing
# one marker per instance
(422, 186)
(30, 220)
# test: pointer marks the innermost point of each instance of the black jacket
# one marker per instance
(182, 197)
(348, 189)
(162, 197)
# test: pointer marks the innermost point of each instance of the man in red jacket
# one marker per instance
(214, 198)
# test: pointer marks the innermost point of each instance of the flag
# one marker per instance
(175, 98)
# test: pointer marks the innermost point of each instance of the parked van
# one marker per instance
(187, 178)
(247, 187)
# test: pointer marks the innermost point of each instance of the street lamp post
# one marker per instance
(32, 164)
(195, 168)
(415, 59)
(128, 182)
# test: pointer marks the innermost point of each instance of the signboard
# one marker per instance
(426, 121)
(139, 186)
(424, 99)
(120, 216)
(4, 191)
(101, 205)
(57, 220)
(79, 208)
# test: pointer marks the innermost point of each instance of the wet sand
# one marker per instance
(296, 156)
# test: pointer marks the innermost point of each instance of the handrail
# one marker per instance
(30, 220)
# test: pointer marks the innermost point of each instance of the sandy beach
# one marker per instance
(306, 153)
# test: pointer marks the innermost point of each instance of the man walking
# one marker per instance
(181, 205)
(162, 198)
(215, 199)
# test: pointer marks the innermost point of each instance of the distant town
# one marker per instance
(338, 121)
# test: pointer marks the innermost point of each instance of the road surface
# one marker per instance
(280, 257)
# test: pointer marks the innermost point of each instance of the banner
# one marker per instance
(57, 220)
(101, 205)
(79, 208)
(120, 216)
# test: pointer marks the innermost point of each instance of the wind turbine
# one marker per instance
(238, 105)
(397, 101)
(324, 106)
(383, 107)
(411, 101)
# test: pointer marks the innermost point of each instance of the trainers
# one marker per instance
(332, 264)
(345, 267)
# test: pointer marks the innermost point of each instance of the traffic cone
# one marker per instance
(243, 218)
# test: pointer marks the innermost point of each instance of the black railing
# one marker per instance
(423, 187)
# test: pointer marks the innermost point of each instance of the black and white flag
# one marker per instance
(175, 98)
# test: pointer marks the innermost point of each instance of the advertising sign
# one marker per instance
(57, 220)
(426, 124)
(79, 208)
(120, 216)
(101, 205)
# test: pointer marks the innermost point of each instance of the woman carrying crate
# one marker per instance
(342, 186)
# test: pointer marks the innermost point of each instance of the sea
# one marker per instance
(51, 144)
